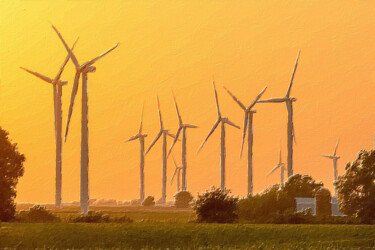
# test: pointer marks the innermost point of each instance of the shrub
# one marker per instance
(90, 217)
(37, 213)
(149, 201)
(323, 202)
(216, 205)
(183, 199)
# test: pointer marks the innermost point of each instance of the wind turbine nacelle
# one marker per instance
(292, 99)
(89, 69)
(60, 82)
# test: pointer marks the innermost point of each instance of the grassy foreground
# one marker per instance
(184, 235)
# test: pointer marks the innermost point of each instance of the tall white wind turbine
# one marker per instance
(57, 94)
(181, 127)
(162, 132)
(290, 127)
(141, 138)
(334, 159)
(177, 173)
(248, 127)
(83, 69)
(280, 165)
(222, 121)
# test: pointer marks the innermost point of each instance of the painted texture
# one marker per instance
(180, 45)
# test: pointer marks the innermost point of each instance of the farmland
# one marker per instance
(173, 228)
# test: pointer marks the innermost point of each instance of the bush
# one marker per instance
(216, 205)
(37, 213)
(277, 204)
(183, 199)
(149, 201)
(90, 217)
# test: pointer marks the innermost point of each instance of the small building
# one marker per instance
(303, 203)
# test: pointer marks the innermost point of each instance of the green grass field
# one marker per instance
(170, 228)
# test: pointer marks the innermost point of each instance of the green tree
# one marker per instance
(11, 169)
(216, 205)
(356, 187)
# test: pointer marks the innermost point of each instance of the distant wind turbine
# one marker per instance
(222, 121)
(181, 127)
(248, 127)
(290, 127)
(57, 94)
(83, 69)
(141, 138)
(280, 165)
(334, 159)
(162, 132)
(177, 173)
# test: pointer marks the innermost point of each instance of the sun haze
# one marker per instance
(181, 46)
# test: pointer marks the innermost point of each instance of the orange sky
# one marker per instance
(179, 45)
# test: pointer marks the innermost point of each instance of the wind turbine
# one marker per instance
(222, 121)
(162, 132)
(141, 138)
(290, 127)
(248, 127)
(177, 171)
(181, 127)
(334, 158)
(280, 165)
(57, 93)
(83, 69)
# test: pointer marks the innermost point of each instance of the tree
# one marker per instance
(183, 199)
(149, 201)
(216, 205)
(356, 187)
(11, 168)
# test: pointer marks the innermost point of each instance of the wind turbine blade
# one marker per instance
(209, 134)
(245, 121)
(72, 97)
(140, 123)
(232, 124)
(72, 56)
(216, 100)
(256, 98)
(190, 125)
(235, 99)
(276, 99)
(43, 77)
(154, 141)
(171, 135)
(337, 144)
(175, 171)
(57, 77)
(160, 120)
(174, 140)
(274, 169)
(294, 134)
(328, 156)
(132, 138)
(280, 162)
(92, 61)
(176, 107)
(292, 77)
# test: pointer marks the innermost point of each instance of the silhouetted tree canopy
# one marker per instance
(216, 205)
(356, 187)
(183, 199)
(277, 200)
(11, 168)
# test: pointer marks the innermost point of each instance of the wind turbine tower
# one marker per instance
(248, 127)
(162, 132)
(181, 127)
(334, 159)
(290, 127)
(82, 69)
(222, 120)
(141, 138)
(57, 94)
